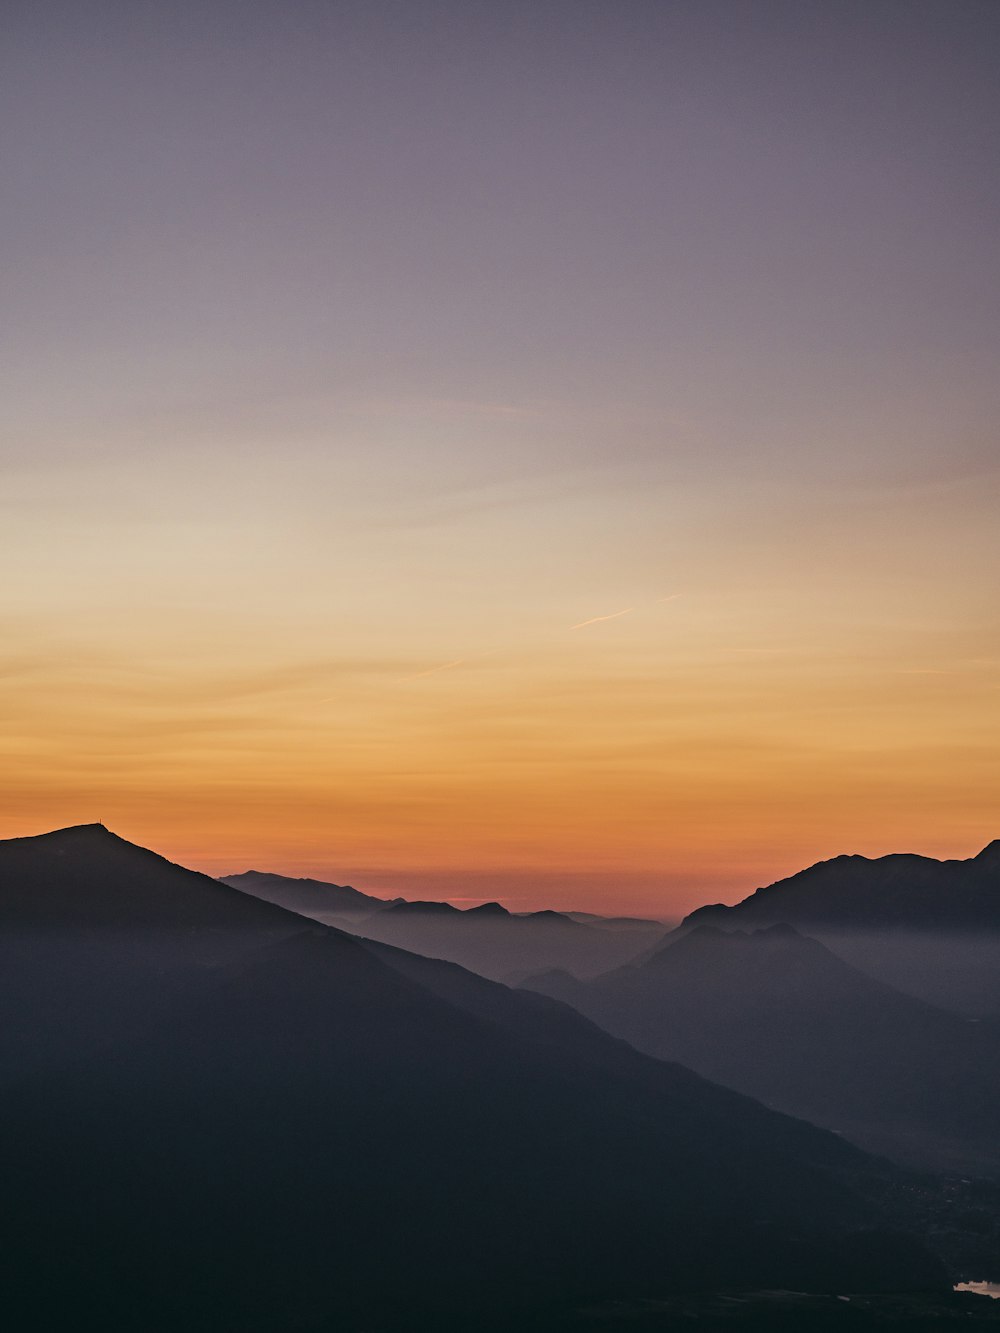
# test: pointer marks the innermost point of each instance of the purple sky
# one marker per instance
(376, 337)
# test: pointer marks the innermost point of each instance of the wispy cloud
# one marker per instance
(615, 615)
(478, 657)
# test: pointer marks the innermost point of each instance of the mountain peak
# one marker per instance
(421, 907)
(74, 832)
(85, 875)
(704, 914)
(989, 857)
(900, 891)
(78, 840)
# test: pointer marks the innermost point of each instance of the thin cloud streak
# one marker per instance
(597, 619)
(616, 615)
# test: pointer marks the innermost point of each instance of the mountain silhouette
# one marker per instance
(897, 892)
(929, 928)
(98, 935)
(488, 909)
(619, 922)
(311, 897)
(488, 939)
(779, 1016)
(499, 944)
(310, 1131)
(87, 876)
(420, 907)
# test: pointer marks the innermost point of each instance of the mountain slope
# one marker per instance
(97, 936)
(330, 1133)
(780, 1017)
(899, 892)
(930, 928)
(88, 877)
(497, 944)
(249, 1160)
(487, 939)
(310, 897)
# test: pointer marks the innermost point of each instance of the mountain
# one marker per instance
(311, 1131)
(499, 944)
(487, 939)
(929, 928)
(620, 922)
(310, 897)
(421, 908)
(898, 892)
(780, 1017)
(98, 935)
(87, 877)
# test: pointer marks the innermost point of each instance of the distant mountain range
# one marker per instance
(930, 928)
(889, 893)
(310, 897)
(780, 1017)
(488, 939)
(284, 1127)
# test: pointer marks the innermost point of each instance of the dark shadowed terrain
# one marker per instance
(780, 1017)
(296, 1129)
(98, 937)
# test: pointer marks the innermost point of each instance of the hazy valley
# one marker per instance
(222, 1114)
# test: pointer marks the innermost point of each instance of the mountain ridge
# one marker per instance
(101, 890)
(896, 891)
(524, 1156)
(487, 938)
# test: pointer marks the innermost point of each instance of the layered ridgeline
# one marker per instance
(898, 892)
(931, 928)
(780, 1017)
(295, 1129)
(316, 898)
(503, 945)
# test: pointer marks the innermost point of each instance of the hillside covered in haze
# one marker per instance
(779, 1016)
(282, 1126)
(488, 939)
(930, 928)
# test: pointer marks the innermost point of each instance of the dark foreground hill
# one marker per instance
(98, 936)
(486, 939)
(326, 1134)
(931, 928)
(88, 878)
(780, 1017)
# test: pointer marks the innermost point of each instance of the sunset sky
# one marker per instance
(544, 451)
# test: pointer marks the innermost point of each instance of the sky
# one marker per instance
(538, 451)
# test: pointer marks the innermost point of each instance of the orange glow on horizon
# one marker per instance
(663, 761)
